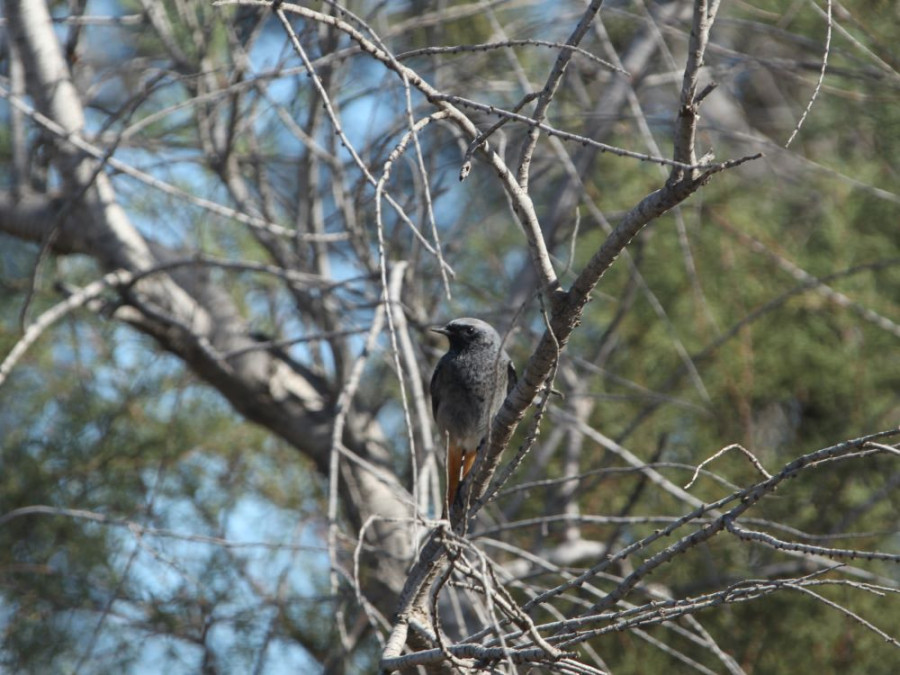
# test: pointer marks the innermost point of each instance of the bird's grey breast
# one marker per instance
(472, 385)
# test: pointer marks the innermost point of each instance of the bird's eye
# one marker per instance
(470, 330)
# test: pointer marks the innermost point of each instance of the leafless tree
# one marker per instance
(360, 232)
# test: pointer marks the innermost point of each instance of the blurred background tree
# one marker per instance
(223, 461)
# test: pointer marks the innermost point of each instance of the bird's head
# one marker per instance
(468, 332)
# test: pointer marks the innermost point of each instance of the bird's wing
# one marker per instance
(511, 377)
(435, 396)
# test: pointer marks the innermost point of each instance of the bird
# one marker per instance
(469, 384)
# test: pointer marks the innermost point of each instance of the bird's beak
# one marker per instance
(441, 330)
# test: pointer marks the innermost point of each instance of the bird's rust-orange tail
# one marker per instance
(459, 464)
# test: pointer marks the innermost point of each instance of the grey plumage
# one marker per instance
(468, 387)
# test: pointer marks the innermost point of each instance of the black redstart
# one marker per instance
(468, 387)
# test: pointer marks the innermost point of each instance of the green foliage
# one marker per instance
(783, 367)
(96, 426)
(166, 529)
